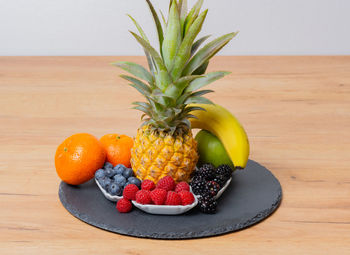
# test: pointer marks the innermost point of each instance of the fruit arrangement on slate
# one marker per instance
(164, 169)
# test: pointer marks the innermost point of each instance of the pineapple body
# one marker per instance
(158, 154)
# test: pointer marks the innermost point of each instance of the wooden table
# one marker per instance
(296, 111)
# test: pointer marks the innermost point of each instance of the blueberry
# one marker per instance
(114, 172)
(119, 168)
(109, 172)
(105, 182)
(114, 189)
(120, 180)
(100, 174)
(128, 173)
(117, 176)
(134, 180)
(108, 165)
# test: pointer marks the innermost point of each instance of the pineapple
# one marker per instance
(164, 144)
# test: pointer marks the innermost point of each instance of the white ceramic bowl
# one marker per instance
(162, 209)
(166, 209)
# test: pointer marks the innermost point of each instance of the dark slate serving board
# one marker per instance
(252, 196)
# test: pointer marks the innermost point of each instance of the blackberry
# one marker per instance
(197, 178)
(207, 167)
(221, 180)
(207, 204)
(195, 173)
(198, 186)
(224, 170)
(212, 188)
(207, 171)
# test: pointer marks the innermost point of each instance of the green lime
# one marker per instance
(211, 150)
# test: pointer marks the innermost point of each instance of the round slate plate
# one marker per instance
(252, 196)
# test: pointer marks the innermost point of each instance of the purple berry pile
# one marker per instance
(207, 181)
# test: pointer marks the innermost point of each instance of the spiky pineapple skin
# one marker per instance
(158, 154)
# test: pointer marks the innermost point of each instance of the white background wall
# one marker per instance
(99, 27)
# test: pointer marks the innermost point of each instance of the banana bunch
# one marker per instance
(221, 123)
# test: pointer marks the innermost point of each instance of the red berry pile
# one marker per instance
(166, 192)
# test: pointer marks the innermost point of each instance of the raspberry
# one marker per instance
(187, 197)
(173, 198)
(182, 186)
(130, 192)
(158, 196)
(124, 205)
(143, 197)
(148, 185)
(166, 183)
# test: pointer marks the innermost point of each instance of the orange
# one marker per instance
(118, 148)
(78, 158)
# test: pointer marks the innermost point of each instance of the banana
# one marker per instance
(220, 122)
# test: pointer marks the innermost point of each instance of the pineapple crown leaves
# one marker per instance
(177, 71)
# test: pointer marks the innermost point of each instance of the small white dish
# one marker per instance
(107, 195)
(166, 209)
(221, 191)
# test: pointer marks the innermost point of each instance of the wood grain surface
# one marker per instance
(296, 111)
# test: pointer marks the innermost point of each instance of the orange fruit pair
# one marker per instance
(81, 155)
(118, 148)
(78, 158)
